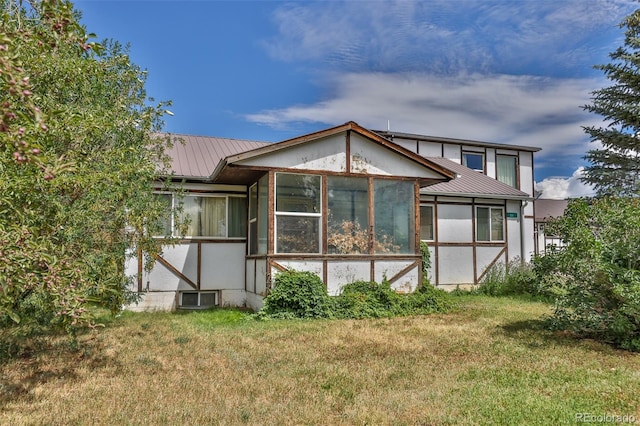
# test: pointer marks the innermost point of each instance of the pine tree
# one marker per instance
(615, 168)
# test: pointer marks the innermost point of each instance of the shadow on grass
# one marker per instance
(536, 333)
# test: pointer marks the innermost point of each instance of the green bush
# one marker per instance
(303, 295)
(599, 271)
(297, 294)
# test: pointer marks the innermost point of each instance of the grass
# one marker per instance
(487, 363)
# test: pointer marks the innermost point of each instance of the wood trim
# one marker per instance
(347, 151)
(474, 238)
(371, 214)
(175, 272)
(506, 229)
(199, 266)
(345, 257)
(324, 182)
(271, 212)
(279, 267)
(416, 226)
(436, 253)
(404, 271)
(140, 265)
(325, 272)
(493, 262)
(470, 244)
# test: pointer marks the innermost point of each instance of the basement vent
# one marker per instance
(198, 299)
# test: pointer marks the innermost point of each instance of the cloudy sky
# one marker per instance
(512, 71)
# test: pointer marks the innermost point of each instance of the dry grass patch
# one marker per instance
(487, 363)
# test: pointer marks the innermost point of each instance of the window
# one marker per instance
(198, 299)
(165, 223)
(489, 224)
(298, 213)
(394, 213)
(215, 216)
(426, 223)
(258, 216)
(348, 221)
(474, 161)
(507, 170)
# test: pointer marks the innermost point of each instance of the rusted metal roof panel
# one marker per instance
(471, 183)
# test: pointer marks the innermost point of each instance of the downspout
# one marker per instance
(523, 204)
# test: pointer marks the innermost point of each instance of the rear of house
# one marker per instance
(345, 203)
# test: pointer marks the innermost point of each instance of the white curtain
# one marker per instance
(507, 170)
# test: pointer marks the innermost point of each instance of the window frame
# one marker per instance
(175, 200)
(481, 155)
(490, 223)
(433, 224)
(317, 216)
(516, 165)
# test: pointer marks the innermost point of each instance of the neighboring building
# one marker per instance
(545, 211)
(346, 203)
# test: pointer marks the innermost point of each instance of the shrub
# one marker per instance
(297, 294)
(599, 271)
(303, 295)
(516, 278)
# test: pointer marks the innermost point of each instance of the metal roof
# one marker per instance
(195, 157)
(546, 209)
(471, 183)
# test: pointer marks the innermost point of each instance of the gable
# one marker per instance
(344, 149)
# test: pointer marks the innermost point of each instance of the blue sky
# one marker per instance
(500, 71)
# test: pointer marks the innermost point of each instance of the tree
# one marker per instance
(78, 157)
(598, 271)
(615, 168)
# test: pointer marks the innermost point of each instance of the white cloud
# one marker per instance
(559, 188)
(519, 110)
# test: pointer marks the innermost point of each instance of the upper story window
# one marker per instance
(489, 224)
(473, 160)
(507, 169)
(207, 215)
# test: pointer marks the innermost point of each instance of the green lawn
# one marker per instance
(487, 363)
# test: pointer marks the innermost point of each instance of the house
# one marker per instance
(346, 203)
(545, 211)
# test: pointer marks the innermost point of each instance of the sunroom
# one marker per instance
(342, 203)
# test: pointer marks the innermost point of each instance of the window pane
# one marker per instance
(473, 161)
(297, 193)
(482, 224)
(253, 202)
(164, 223)
(297, 234)
(426, 223)
(506, 167)
(497, 225)
(394, 203)
(237, 217)
(263, 215)
(348, 220)
(206, 215)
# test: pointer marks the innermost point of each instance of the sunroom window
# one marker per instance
(298, 213)
(394, 213)
(348, 221)
(489, 224)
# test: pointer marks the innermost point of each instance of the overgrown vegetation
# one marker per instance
(599, 270)
(298, 294)
(77, 160)
(516, 278)
(487, 363)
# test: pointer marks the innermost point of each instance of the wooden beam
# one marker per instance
(400, 274)
(175, 272)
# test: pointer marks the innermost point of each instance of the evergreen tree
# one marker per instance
(615, 168)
